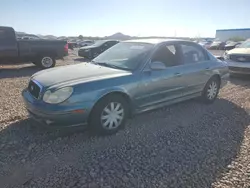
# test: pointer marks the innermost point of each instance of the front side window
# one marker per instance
(168, 55)
(192, 54)
(124, 55)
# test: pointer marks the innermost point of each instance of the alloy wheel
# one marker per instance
(47, 62)
(112, 115)
(212, 90)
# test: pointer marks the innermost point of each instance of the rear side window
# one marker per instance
(192, 54)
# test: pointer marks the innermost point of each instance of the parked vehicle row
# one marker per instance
(131, 77)
(42, 53)
(231, 45)
(219, 45)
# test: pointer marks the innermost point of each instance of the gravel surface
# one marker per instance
(184, 145)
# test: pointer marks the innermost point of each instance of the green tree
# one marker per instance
(80, 37)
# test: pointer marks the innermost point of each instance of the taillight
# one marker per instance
(66, 47)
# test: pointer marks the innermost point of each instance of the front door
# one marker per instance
(159, 86)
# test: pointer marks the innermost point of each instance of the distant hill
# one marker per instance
(50, 37)
(119, 36)
(116, 36)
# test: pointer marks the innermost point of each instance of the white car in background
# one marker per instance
(238, 59)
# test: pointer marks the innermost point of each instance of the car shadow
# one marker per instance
(189, 148)
(15, 71)
(242, 80)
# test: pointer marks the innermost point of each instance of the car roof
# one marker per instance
(5, 27)
(156, 40)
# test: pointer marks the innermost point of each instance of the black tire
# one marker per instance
(40, 62)
(96, 125)
(207, 96)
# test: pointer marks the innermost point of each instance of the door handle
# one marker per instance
(207, 68)
(177, 74)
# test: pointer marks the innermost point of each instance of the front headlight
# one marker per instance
(57, 96)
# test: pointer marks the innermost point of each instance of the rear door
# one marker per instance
(159, 86)
(8, 44)
(196, 67)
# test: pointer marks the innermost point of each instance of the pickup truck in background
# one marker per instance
(42, 53)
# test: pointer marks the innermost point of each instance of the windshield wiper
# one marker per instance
(112, 66)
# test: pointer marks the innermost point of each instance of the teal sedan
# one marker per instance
(129, 78)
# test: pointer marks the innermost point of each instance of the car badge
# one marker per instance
(32, 88)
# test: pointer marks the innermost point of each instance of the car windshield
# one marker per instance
(245, 44)
(125, 55)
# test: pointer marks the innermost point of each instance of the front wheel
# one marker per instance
(109, 115)
(211, 90)
(46, 62)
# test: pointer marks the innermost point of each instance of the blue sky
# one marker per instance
(133, 17)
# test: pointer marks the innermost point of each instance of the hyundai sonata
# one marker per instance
(129, 78)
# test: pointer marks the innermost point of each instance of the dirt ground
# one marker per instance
(189, 144)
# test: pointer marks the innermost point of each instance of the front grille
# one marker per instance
(34, 89)
(240, 58)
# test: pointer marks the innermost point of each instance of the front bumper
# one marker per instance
(238, 67)
(59, 115)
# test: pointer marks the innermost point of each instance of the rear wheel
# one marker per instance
(211, 90)
(45, 62)
(109, 115)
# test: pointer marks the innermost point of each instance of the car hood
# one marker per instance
(245, 51)
(73, 74)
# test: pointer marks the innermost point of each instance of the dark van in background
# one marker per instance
(41, 52)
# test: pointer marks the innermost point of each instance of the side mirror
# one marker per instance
(157, 65)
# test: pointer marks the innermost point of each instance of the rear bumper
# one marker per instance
(239, 67)
(56, 115)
